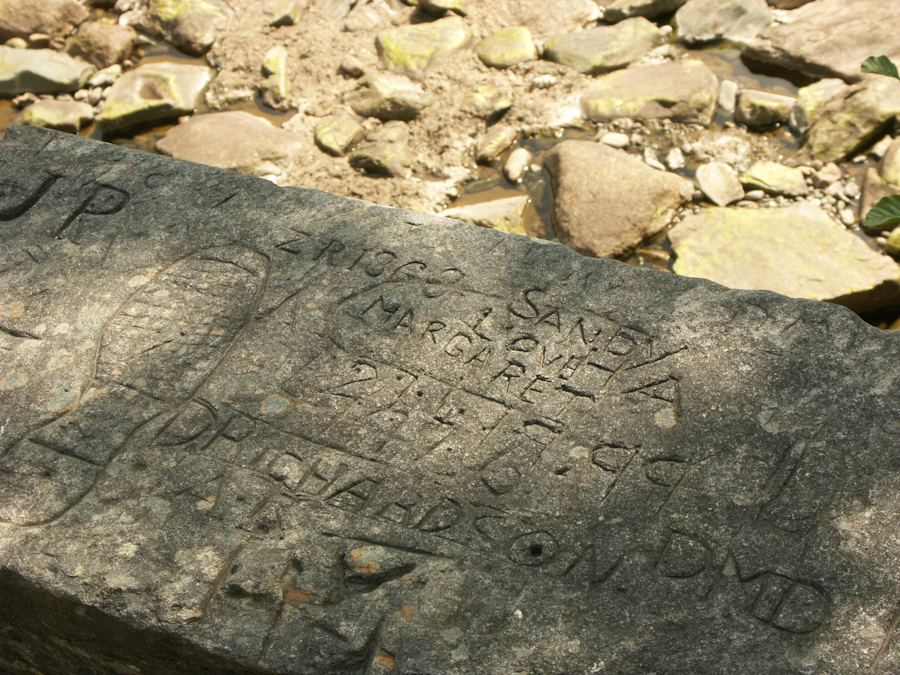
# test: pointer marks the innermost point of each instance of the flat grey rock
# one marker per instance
(605, 48)
(254, 430)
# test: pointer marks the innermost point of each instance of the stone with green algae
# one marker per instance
(338, 133)
(605, 48)
(507, 47)
(412, 50)
(385, 151)
(68, 116)
(683, 91)
(152, 93)
(775, 179)
(799, 251)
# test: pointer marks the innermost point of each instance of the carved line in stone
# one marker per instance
(171, 388)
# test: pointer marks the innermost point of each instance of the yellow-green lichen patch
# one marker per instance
(507, 47)
(411, 50)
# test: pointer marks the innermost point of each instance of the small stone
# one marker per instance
(848, 216)
(276, 88)
(720, 183)
(68, 116)
(827, 175)
(516, 165)
(153, 92)
(775, 179)
(284, 12)
(683, 91)
(38, 41)
(675, 159)
(651, 159)
(338, 133)
(507, 214)
(615, 140)
(877, 151)
(755, 196)
(385, 151)
(95, 95)
(387, 97)
(507, 47)
(352, 66)
(728, 91)
(234, 140)
(105, 77)
(704, 21)
(55, 18)
(851, 189)
(41, 71)
(757, 108)
(543, 82)
(25, 100)
(16, 43)
(101, 44)
(495, 142)
(441, 6)
(605, 48)
(81, 95)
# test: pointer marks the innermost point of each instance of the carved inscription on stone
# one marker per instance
(367, 437)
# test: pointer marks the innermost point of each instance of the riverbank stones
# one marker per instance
(605, 48)
(41, 71)
(413, 50)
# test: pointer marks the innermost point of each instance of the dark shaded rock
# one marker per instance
(607, 202)
(233, 140)
(830, 38)
(257, 430)
(22, 18)
(624, 9)
(102, 44)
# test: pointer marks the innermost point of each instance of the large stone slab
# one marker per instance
(258, 430)
(798, 251)
(830, 38)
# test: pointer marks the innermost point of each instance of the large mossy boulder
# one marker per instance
(412, 50)
(41, 71)
(799, 251)
(606, 202)
(153, 93)
(682, 91)
(605, 48)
